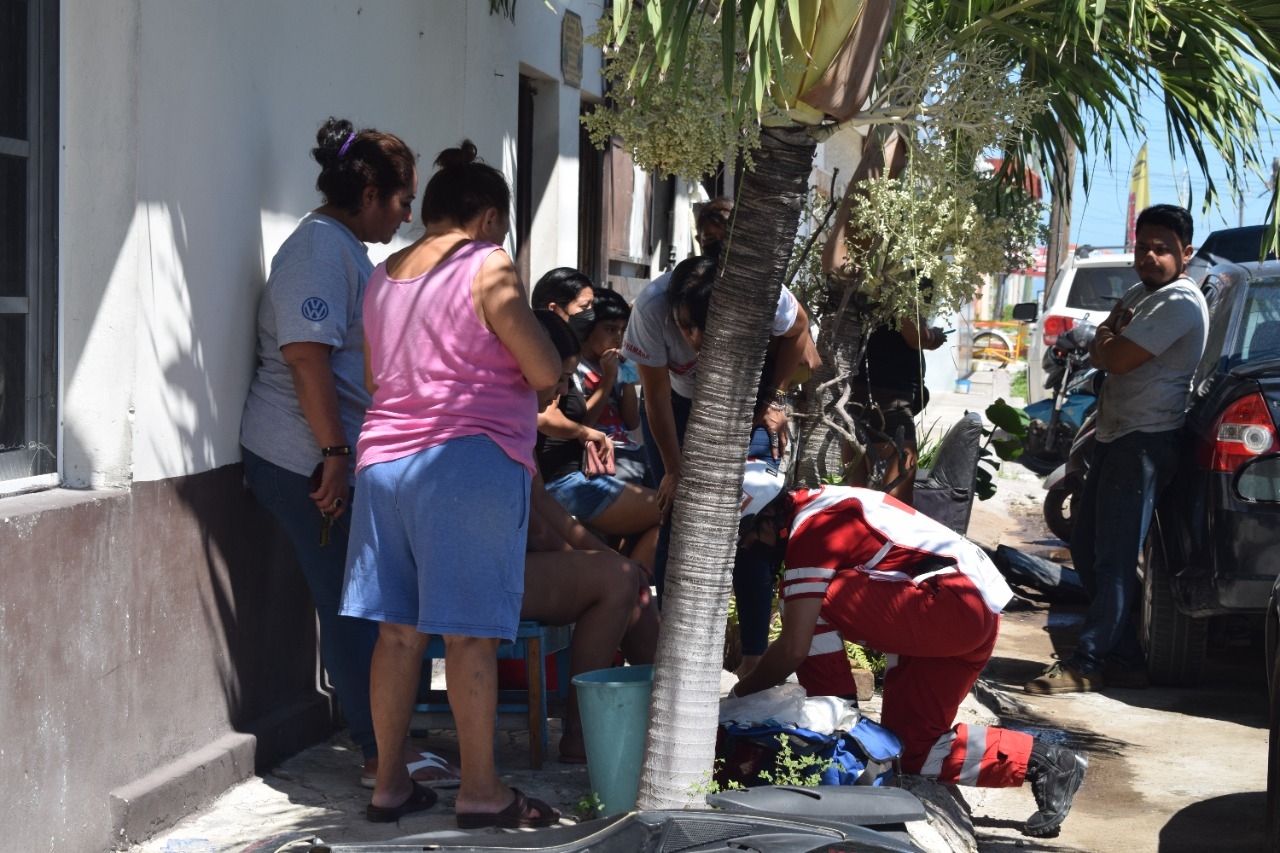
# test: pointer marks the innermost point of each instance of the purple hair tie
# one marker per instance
(345, 146)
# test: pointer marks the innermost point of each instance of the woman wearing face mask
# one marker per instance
(602, 500)
(564, 291)
(571, 577)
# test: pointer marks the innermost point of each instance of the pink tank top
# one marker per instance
(440, 373)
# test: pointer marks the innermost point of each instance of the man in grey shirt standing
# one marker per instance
(1149, 346)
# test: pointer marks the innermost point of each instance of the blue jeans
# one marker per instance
(753, 584)
(680, 408)
(346, 643)
(1124, 482)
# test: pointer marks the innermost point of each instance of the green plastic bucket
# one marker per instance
(614, 704)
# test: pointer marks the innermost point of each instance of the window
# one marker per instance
(28, 201)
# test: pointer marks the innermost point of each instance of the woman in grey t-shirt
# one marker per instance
(307, 398)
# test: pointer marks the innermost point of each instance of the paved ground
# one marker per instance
(1171, 770)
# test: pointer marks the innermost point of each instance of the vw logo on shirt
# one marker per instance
(315, 309)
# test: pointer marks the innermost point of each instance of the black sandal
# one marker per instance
(518, 815)
(420, 799)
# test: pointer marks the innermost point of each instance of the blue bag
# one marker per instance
(867, 754)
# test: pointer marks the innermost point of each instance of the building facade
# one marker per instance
(157, 643)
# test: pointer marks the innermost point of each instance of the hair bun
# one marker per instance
(330, 138)
(462, 155)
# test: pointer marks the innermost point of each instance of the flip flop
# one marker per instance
(420, 799)
(452, 779)
(518, 815)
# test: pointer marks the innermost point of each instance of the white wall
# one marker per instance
(554, 230)
(99, 256)
(186, 131)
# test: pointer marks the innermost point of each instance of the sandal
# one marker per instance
(518, 815)
(449, 775)
(420, 799)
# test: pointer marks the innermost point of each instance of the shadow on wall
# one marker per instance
(253, 599)
(257, 605)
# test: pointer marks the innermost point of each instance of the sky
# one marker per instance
(1098, 218)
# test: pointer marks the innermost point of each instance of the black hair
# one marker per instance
(718, 211)
(607, 305)
(463, 187)
(1176, 219)
(691, 283)
(351, 160)
(561, 286)
(562, 337)
(779, 512)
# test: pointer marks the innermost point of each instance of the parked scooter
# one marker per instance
(1055, 420)
(1066, 483)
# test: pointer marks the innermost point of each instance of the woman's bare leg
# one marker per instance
(393, 685)
(596, 591)
(645, 548)
(634, 511)
(471, 676)
(641, 640)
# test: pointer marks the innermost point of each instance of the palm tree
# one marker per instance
(682, 716)
(1094, 60)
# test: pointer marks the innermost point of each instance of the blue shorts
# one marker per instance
(585, 497)
(438, 541)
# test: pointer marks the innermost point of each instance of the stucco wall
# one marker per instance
(187, 128)
(136, 627)
(151, 615)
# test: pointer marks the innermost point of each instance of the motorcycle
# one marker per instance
(1066, 483)
(1055, 420)
(767, 819)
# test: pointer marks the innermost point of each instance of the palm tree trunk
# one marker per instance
(683, 714)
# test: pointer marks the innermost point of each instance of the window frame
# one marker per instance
(40, 148)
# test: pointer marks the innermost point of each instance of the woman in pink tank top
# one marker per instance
(453, 358)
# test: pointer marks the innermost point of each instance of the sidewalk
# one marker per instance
(316, 793)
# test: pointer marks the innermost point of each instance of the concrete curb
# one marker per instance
(167, 794)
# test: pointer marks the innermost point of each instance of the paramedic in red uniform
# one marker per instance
(862, 566)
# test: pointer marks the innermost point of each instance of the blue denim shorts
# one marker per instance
(438, 541)
(585, 497)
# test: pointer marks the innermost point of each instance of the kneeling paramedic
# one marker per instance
(862, 566)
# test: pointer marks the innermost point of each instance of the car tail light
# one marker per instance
(1245, 430)
(1055, 325)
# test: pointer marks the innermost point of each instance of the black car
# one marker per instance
(1212, 550)
(1263, 485)
(1235, 245)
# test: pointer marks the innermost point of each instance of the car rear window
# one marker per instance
(1099, 288)
(1259, 337)
(1241, 245)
